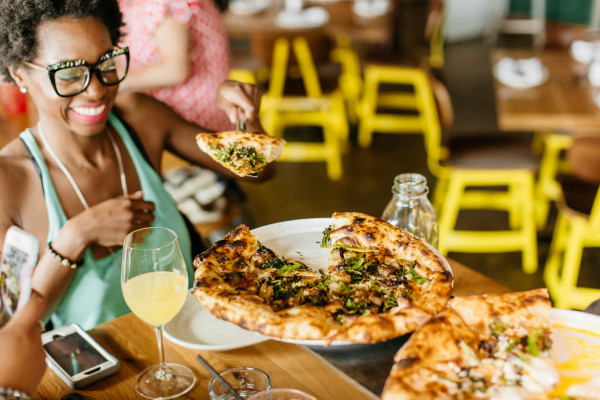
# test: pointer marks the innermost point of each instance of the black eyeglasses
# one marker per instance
(70, 78)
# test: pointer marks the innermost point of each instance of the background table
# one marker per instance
(133, 342)
(565, 101)
(342, 20)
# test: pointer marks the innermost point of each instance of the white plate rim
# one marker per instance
(545, 76)
(246, 338)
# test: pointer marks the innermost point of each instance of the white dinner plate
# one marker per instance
(196, 328)
(300, 240)
(507, 72)
(311, 17)
(576, 350)
(248, 7)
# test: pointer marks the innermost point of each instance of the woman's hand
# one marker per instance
(105, 224)
(23, 360)
(115, 218)
(240, 101)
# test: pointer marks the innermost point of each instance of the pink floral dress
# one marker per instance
(209, 54)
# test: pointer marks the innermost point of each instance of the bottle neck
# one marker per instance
(410, 187)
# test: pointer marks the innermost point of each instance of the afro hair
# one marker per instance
(19, 20)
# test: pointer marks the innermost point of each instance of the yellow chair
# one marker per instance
(378, 110)
(242, 75)
(553, 146)
(350, 80)
(434, 33)
(470, 170)
(280, 110)
(353, 84)
(577, 225)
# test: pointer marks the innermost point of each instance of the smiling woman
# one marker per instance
(87, 173)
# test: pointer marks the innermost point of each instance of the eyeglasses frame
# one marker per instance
(93, 68)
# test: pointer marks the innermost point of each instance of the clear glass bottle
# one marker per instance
(410, 208)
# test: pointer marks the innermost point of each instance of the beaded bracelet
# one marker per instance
(13, 394)
(64, 261)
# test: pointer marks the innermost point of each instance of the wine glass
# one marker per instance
(154, 282)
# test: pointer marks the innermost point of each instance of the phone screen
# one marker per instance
(19, 254)
(73, 353)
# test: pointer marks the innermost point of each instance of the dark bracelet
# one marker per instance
(64, 261)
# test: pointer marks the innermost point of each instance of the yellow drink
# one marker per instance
(155, 297)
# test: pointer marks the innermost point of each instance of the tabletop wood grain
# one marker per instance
(134, 343)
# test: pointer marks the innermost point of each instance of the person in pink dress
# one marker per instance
(179, 54)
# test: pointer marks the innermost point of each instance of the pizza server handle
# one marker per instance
(218, 377)
(241, 125)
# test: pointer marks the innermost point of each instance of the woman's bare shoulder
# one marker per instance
(16, 165)
(19, 177)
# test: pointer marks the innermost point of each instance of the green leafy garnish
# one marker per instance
(410, 269)
(346, 288)
(326, 236)
(389, 302)
(498, 327)
(350, 248)
(288, 268)
(233, 153)
(532, 339)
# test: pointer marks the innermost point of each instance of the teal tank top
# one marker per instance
(94, 295)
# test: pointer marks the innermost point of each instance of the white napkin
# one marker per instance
(307, 18)
(370, 8)
(584, 51)
(522, 73)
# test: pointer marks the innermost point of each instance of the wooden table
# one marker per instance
(564, 102)
(133, 343)
(342, 20)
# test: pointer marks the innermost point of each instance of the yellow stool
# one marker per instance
(577, 226)
(470, 171)
(372, 119)
(327, 111)
(350, 80)
(553, 146)
(242, 75)
(517, 200)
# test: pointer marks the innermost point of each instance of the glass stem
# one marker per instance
(163, 372)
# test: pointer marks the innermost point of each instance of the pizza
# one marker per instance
(379, 282)
(243, 153)
(491, 346)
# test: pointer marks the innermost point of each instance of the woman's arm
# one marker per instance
(160, 128)
(23, 360)
(173, 67)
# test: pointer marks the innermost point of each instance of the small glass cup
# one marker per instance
(245, 380)
(282, 394)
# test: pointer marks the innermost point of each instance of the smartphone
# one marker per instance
(19, 256)
(76, 357)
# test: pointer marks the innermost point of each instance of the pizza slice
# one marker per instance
(243, 153)
(241, 281)
(495, 346)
